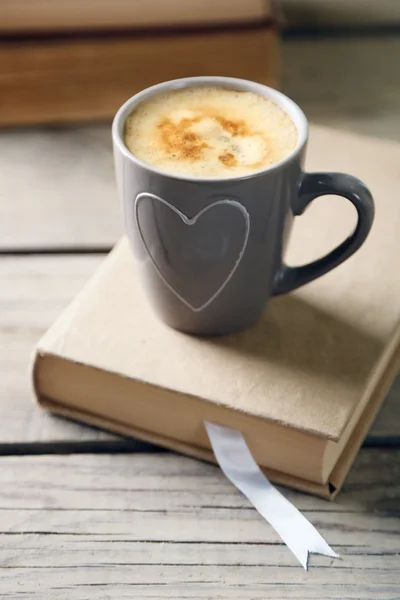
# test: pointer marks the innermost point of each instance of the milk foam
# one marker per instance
(209, 132)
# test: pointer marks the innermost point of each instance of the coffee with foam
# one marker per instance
(209, 132)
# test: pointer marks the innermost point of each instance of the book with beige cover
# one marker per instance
(303, 384)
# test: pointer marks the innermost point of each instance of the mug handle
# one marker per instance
(321, 184)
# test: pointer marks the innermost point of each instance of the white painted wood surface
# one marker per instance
(137, 526)
(57, 189)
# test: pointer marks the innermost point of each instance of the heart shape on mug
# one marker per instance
(195, 256)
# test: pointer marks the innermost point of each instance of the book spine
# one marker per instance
(86, 78)
(377, 388)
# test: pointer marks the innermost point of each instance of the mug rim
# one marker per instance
(285, 103)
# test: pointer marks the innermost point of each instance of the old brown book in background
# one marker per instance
(303, 384)
(61, 63)
(77, 15)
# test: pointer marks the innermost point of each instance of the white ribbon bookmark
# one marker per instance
(239, 466)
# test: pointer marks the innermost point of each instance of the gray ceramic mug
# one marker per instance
(209, 251)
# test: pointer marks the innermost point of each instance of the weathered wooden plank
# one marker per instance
(225, 525)
(212, 591)
(31, 297)
(100, 526)
(57, 185)
(175, 579)
(22, 551)
(33, 292)
(327, 14)
(57, 188)
(150, 484)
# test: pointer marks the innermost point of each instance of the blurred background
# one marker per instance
(66, 67)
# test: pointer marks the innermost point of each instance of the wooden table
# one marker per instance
(87, 515)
